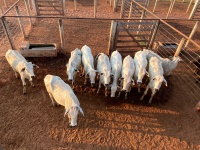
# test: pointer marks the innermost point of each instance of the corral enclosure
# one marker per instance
(31, 122)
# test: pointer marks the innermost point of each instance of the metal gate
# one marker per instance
(130, 9)
(49, 7)
(131, 36)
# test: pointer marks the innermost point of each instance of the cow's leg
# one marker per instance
(99, 86)
(16, 74)
(106, 91)
(31, 81)
(152, 95)
(85, 82)
(69, 119)
(126, 94)
(139, 88)
(52, 99)
(73, 84)
(24, 85)
(145, 92)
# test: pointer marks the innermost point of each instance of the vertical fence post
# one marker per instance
(170, 8)
(154, 34)
(178, 50)
(64, 7)
(111, 43)
(35, 8)
(28, 10)
(5, 3)
(95, 8)
(189, 6)
(154, 8)
(75, 4)
(115, 5)
(192, 33)
(194, 9)
(60, 22)
(20, 21)
(122, 9)
(7, 31)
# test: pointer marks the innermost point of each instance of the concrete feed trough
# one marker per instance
(38, 50)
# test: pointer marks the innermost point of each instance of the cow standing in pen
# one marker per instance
(104, 71)
(62, 94)
(21, 67)
(73, 65)
(116, 67)
(128, 70)
(156, 77)
(168, 64)
(88, 65)
(140, 60)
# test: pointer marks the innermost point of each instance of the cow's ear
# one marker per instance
(23, 69)
(34, 65)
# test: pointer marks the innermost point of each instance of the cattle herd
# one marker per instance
(113, 73)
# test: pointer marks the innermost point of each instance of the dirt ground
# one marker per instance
(30, 122)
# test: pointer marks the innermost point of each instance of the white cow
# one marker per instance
(88, 64)
(128, 70)
(156, 77)
(62, 94)
(116, 66)
(104, 70)
(73, 65)
(140, 60)
(21, 66)
(168, 64)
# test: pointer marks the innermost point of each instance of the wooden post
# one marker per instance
(122, 9)
(194, 9)
(5, 3)
(20, 22)
(7, 31)
(95, 8)
(130, 10)
(61, 35)
(75, 4)
(64, 7)
(115, 5)
(28, 10)
(192, 33)
(170, 8)
(155, 6)
(111, 43)
(35, 8)
(178, 50)
(154, 34)
(189, 6)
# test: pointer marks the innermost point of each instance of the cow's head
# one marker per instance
(127, 81)
(72, 113)
(27, 70)
(71, 73)
(92, 75)
(158, 80)
(106, 77)
(114, 89)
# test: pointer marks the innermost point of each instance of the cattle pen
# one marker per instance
(30, 122)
